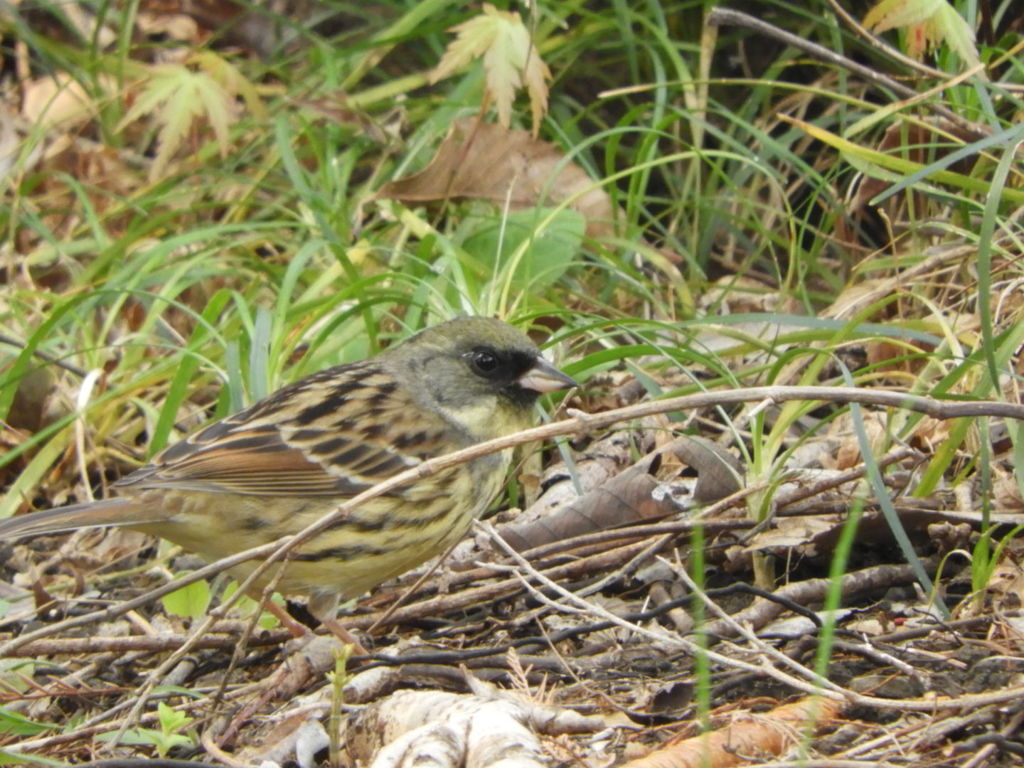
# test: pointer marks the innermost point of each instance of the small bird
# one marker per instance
(286, 461)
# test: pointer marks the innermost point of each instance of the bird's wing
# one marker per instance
(334, 433)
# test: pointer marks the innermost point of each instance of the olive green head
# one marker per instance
(472, 365)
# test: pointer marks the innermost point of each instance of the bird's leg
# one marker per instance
(296, 628)
(300, 630)
(324, 606)
(338, 630)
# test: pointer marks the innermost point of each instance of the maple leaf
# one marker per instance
(929, 23)
(510, 61)
(234, 82)
(175, 96)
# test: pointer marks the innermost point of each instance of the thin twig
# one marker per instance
(968, 701)
(727, 16)
(44, 356)
(576, 604)
(883, 46)
(142, 644)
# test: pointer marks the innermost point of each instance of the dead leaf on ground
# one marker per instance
(848, 453)
(799, 533)
(1005, 586)
(635, 495)
(57, 100)
(179, 27)
(747, 737)
(719, 473)
(626, 498)
(1006, 490)
(562, 484)
(486, 728)
(506, 167)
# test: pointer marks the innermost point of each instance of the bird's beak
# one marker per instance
(544, 377)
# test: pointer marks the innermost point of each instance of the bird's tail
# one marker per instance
(116, 511)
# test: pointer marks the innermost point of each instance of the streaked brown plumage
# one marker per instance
(283, 463)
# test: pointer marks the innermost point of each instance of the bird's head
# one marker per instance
(479, 370)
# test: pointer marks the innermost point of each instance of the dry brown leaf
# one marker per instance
(793, 533)
(1006, 490)
(172, 26)
(56, 100)
(633, 496)
(746, 738)
(256, 26)
(10, 143)
(626, 498)
(507, 167)
(848, 454)
(719, 473)
(930, 433)
(1006, 585)
(948, 536)
(885, 355)
(591, 469)
(489, 728)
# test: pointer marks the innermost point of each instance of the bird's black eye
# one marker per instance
(485, 362)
